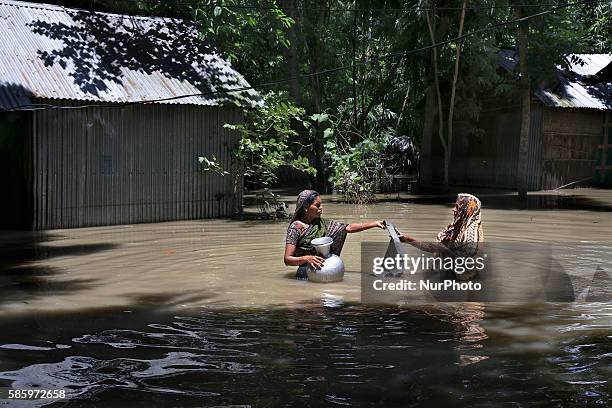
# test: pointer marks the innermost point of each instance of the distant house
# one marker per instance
(570, 139)
(78, 147)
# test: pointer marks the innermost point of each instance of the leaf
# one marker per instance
(217, 11)
(320, 117)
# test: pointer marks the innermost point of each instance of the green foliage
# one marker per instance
(211, 165)
(268, 141)
(250, 38)
(271, 205)
(261, 40)
(355, 160)
(597, 19)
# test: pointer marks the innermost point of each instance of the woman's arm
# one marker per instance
(290, 260)
(432, 247)
(364, 226)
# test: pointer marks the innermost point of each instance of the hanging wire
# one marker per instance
(199, 3)
(34, 107)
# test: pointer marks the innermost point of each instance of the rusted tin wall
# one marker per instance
(507, 132)
(603, 173)
(132, 164)
(570, 138)
(535, 148)
(491, 160)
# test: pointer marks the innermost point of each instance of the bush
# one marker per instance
(355, 157)
(267, 141)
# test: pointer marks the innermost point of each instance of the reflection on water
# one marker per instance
(320, 354)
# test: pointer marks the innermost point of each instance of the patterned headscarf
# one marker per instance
(465, 232)
(305, 198)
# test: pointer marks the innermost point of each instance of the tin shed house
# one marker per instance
(94, 126)
(570, 140)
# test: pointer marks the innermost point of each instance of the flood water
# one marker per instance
(204, 313)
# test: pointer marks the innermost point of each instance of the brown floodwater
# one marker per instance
(239, 263)
(204, 313)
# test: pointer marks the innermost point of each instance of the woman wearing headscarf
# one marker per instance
(307, 224)
(462, 238)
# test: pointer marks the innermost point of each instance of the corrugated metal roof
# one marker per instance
(507, 59)
(588, 64)
(578, 88)
(575, 94)
(49, 51)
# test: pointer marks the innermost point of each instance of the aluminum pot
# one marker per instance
(322, 245)
(333, 267)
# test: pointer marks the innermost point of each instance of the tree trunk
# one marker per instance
(365, 27)
(425, 164)
(451, 109)
(431, 27)
(525, 92)
(401, 114)
(290, 54)
(315, 50)
(354, 74)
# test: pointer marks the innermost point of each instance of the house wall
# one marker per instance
(132, 164)
(15, 206)
(563, 147)
(570, 140)
(603, 174)
(490, 159)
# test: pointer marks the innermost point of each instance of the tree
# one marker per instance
(451, 109)
(525, 91)
(427, 91)
(267, 142)
(447, 143)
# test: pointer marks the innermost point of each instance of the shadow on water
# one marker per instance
(20, 280)
(169, 300)
(309, 355)
(23, 284)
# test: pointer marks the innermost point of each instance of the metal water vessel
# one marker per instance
(333, 267)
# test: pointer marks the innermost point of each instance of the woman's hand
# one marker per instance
(403, 237)
(380, 224)
(315, 261)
